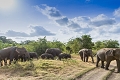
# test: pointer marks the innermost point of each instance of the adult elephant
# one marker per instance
(47, 56)
(12, 53)
(54, 51)
(108, 54)
(85, 53)
(64, 56)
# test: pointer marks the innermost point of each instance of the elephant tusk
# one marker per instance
(17, 51)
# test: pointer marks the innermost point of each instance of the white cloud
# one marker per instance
(50, 12)
(36, 31)
(117, 12)
(115, 29)
(40, 31)
(11, 33)
(100, 27)
(102, 20)
(63, 21)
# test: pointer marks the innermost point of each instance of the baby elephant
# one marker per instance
(33, 55)
(47, 56)
(64, 56)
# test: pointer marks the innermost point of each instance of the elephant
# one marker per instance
(22, 58)
(64, 56)
(85, 53)
(47, 56)
(12, 53)
(108, 54)
(32, 55)
(54, 51)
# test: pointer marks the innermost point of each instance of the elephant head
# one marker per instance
(85, 53)
(22, 51)
(114, 53)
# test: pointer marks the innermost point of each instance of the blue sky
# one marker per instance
(60, 20)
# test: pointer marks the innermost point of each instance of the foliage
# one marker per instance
(111, 43)
(56, 44)
(5, 40)
(40, 45)
(72, 46)
(86, 41)
(69, 50)
(78, 43)
(106, 44)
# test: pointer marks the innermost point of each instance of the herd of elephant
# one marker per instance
(105, 54)
(16, 53)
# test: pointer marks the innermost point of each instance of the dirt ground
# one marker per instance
(101, 74)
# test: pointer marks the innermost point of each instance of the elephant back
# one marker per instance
(33, 55)
(101, 53)
(47, 56)
(53, 51)
(64, 56)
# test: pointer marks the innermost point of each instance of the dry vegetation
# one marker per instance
(46, 69)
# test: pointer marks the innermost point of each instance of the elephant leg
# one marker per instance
(11, 59)
(81, 58)
(5, 61)
(102, 64)
(84, 59)
(98, 60)
(92, 59)
(87, 58)
(107, 65)
(22, 60)
(118, 65)
(1, 63)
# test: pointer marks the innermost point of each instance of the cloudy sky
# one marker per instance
(59, 19)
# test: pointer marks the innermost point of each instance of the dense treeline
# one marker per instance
(72, 46)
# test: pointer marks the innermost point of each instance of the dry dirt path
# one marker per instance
(100, 74)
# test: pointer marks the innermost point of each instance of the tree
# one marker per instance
(68, 49)
(86, 41)
(98, 45)
(111, 43)
(75, 44)
(106, 44)
(56, 44)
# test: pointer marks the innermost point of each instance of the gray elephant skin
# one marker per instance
(12, 53)
(32, 55)
(54, 51)
(108, 54)
(85, 53)
(47, 56)
(64, 56)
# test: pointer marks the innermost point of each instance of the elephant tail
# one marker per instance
(97, 58)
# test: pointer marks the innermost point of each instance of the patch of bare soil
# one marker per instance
(100, 74)
(11, 76)
(114, 76)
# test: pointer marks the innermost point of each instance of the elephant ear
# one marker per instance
(110, 52)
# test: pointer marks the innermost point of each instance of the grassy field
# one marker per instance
(46, 69)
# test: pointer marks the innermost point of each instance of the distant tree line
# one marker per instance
(72, 46)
